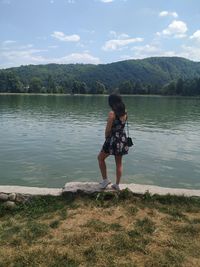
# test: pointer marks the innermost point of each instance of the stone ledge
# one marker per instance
(30, 190)
(91, 187)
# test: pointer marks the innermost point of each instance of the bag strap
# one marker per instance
(127, 125)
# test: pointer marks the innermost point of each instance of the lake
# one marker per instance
(48, 140)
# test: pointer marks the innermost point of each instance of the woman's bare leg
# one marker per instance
(119, 168)
(102, 165)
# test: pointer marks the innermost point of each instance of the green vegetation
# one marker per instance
(157, 75)
(104, 229)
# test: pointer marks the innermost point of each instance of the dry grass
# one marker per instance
(102, 230)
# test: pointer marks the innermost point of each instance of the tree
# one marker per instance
(67, 85)
(83, 88)
(198, 86)
(169, 89)
(126, 87)
(179, 87)
(76, 87)
(51, 86)
(35, 85)
(100, 88)
(137, 87)
(12, 83)
(3, 82)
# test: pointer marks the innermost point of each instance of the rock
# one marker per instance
(12, 196)
(86, 187)
(21, 198)
(9, 204)
(3, 196)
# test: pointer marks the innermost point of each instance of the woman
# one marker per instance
(115, 140)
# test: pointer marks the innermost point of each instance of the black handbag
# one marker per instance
(129, 139)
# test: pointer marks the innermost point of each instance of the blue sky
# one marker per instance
(97, 31)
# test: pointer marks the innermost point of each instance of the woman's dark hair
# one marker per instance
(116, 104)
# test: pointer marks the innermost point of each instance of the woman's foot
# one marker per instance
(104, 183)
(115, 187)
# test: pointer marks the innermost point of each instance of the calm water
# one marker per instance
(50, 140)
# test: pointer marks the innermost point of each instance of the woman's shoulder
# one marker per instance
(111, 114)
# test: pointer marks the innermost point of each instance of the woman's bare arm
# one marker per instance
(111, 117)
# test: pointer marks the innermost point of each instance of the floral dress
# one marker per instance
(116, 142)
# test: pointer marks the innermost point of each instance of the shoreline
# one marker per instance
(92, 187)
(126, 95)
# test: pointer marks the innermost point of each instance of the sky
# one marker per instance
(97, 31)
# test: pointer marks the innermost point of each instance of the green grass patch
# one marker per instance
(145, 225)
(168, 258)
(130, 230)
(33, 230)
(90, 254)
(38, 257)
(54, 224)
(132, 210)
(97, 225)
(124, 243)
(192, 230)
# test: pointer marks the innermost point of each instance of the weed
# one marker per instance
(54, 224)
(97, 225)
(145, 225)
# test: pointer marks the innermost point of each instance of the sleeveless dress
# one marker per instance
(116, 142)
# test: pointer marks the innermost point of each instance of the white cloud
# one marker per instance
(8, 42)
(24, 54)
(147, 48)
(125, 57)
(122, 41)
(25, 47)
(84, 57)
(17, 57)
(66, 38)
(150, 51)
(87, 31)
(123, 36)
(10, 45)
(196, 36)
(176, 29)
(52, 46)
(190, 52)
(107, 1)
(113, 34)
(167, 13)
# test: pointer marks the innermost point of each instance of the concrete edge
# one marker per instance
(30, 190)
(91, 187)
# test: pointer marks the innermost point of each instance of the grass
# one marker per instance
(104, 229)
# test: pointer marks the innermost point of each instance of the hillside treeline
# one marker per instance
(166, 76)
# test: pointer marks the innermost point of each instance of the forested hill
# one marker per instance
(148, 75)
